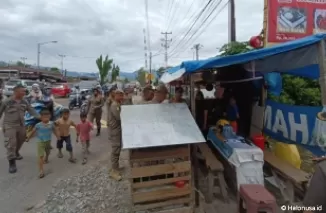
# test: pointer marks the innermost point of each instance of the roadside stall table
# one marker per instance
(245, 158)
(159, 137)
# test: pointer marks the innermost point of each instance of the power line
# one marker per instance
(203, 23)
(170, 7)
(213, 19)
(187, 20)
(177, 7)
(197, 18)
(187, 41)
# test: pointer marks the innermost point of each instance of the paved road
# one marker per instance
(23, 189)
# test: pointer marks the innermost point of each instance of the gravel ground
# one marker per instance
(89, 192)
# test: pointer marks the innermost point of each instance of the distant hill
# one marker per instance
(128, 75)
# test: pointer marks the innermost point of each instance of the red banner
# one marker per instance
(292, 19)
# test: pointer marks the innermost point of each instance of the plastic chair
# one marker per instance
(256, 199)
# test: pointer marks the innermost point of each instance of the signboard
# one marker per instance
(155, 125)
(288, 20)
(302, 125)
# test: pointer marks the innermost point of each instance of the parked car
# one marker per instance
(10, 84)
(60, 90)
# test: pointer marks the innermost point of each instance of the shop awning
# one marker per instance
(298, 57)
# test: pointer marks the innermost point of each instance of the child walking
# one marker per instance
(43, 131)
(63, 125)
(83, 130)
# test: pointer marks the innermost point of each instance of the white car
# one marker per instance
(10, 84)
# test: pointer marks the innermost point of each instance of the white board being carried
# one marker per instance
(155, 125)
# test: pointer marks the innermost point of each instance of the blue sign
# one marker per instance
(302, 125)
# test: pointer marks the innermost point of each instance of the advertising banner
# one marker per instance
(288, 20)
(302, 125)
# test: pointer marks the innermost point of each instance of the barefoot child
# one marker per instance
(83, 130)
(43, 131)
(63, 125)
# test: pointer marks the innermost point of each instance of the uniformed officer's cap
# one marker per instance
(119, 91)
(162, 88)
(19, 85)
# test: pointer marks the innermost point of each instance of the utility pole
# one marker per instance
(145, 48)
(62, 57)
(197, 47)
(150, 67)
(232, 23)
(23, 60)
(165, 44)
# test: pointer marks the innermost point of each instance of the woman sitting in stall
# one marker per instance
(178, 96)
(232, 113)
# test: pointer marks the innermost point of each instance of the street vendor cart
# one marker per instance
(158, 137)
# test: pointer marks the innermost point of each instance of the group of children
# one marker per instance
(61, 129)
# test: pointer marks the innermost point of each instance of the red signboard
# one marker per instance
(292, 19)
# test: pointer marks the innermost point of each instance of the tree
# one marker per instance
(54, 69)
(161, 71)
(126, 80)
(141, 76)
(115, 73)
(19, 63)
(104, 66)
(156, 82)
(234, 48)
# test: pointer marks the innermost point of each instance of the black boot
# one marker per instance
(12, 166)
(98, 132)
(18, 156)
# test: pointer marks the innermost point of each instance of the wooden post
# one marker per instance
(194, 147)
(322, 70)
(192, 96)
(265, 22)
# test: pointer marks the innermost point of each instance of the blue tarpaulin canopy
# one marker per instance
(298, 57)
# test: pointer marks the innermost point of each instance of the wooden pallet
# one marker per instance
(154, 172)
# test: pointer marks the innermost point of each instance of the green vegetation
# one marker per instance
(141, 76)
(104, 66)
(115, 72)
(296, 90)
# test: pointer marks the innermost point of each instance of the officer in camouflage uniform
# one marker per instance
(114, 123)
(94, 110)
(109, 101)
(14, 132)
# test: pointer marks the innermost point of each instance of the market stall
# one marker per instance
(159, 138)
(303, 57)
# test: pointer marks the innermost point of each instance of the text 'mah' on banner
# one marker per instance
(301, 125)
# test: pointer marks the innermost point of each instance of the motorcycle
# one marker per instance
(84, 106)
(45, 103)
(77, 99)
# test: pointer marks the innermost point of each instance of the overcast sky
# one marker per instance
(85, 29)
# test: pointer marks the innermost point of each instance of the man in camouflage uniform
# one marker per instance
(114, 123)
(160, 94)
(94, 109)
(14, 132)
(109, 101)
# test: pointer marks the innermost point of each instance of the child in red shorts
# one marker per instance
(83, 130)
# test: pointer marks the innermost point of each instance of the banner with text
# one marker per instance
(288, 20)
(302, 125)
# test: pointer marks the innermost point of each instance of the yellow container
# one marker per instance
(288, 153)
